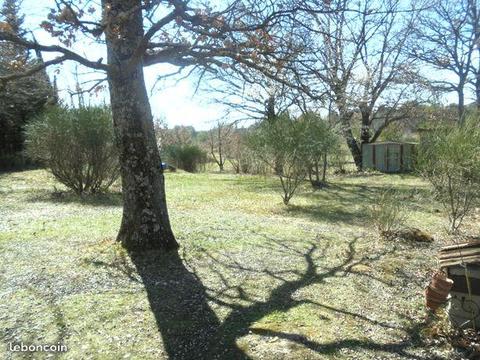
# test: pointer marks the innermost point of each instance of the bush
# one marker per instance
(240, 155)
(77, 146)
(187, 157)
(319, 142)
(279, 143)
(449, 158)
(340, 159)
(387, 214)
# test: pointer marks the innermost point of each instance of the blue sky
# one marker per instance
(171, 100)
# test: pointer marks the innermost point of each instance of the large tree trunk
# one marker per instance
(353, 147)
(365, 133)
(145, 222)
(345, 120)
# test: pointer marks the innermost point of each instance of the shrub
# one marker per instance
(187, 157)
(319, 142)
(237, 152)
(449, 158)
(387, 214)
(278, 143)
(240, 155)
(77, 146)
(339, 159)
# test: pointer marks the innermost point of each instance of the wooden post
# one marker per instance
(401, 157)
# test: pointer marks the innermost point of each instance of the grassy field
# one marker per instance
(253, 279)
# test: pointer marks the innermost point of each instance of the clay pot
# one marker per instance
(436, 293)
(441, 283)
(433, 299)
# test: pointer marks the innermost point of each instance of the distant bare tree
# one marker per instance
(446, 38)
(162, 133)
(218, 139)
(236, 151)
(359, 61)
(474, 26)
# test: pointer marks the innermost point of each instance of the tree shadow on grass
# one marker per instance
(190, 329)
(179, 302)
(339, 203)
(329, 213)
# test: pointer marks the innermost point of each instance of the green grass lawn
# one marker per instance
(253, 279)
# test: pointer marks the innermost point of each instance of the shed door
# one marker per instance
(393, 158)
(380, 157)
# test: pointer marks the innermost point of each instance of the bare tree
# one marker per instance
(218, 139)
(474, 27)
(187, 34)
(252, 95)
(237, 152)
(359, 61)
(446, 38)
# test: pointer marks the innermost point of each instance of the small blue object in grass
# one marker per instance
(165, 166)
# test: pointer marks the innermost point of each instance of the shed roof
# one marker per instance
(392, 143)
(466, 253)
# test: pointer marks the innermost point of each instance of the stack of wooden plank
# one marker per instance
(467, 253)
(462, 264)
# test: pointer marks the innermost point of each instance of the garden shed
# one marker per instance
(389, 157)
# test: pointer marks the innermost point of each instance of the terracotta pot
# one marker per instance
(433, 299)
(441, 283)
(432, 305)
(437, 292)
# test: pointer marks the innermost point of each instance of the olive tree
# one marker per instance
(279, 143)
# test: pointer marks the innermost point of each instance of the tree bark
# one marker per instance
(145, 221)
(365, 134)
(310, 174)
(353, 147)
(461, 105)
(345, 120)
